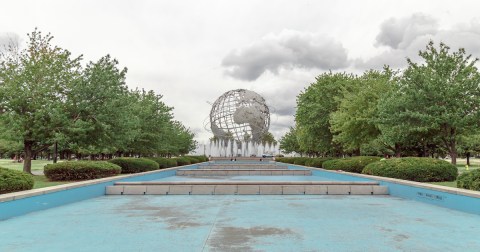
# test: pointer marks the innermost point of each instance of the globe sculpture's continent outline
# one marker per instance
(238, 113)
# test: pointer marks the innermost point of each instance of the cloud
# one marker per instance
(403, 38)
(288, 49)
(401, 32)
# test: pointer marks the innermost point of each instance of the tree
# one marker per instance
(353, 123)
(154, 124)
(289, 142)
(314, 108)
(99, 110)
(268, 138)
(437, 100)
(33, 93)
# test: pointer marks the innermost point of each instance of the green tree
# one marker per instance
(154, 124)
(315, 106)
(99, 108)
(33, 93)
(268, 138)
(353, 123)
(437, 100)
(289, 142)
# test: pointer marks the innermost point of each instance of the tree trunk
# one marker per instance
(453, 153)
(356, 152)
(398, 150)
(55, 152)
(468, 158)
(27, 162)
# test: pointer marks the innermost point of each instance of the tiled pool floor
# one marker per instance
(243, 223)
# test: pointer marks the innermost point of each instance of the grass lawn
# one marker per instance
(36, 164)
(447, 183)
(42, 181)
(461, 162)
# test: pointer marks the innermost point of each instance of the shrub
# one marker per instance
(201, 158)
(317, 162)
(469, 180)
(165, 162)
(182, 161)
(353, 164)
(193, 160)
(80, 170)
(288, 160)
(134, 165)
(300, 160)
(413, 168)
(12, 181)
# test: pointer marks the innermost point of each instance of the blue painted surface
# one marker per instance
(443, 199)
(42, 202)
(243, 223)
(19, 207)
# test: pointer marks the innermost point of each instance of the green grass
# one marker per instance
(42, 181)
(446, 183)
(461, 162)
(37, 165)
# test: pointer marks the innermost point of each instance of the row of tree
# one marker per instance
(48, 100)
(430, 108)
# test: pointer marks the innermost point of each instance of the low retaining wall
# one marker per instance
(247, 188)
(243, 172)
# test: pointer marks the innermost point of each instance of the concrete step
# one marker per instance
(242, 172)
(251, 159)
(246, 188)
(242, 166)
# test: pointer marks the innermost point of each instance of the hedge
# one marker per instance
(12, 180)
(134, 165)
(81, 170)
(300, 160)
(317, 162)
(165, 162)
(201, 158)
(193, 160)
(469, 180)
(288, 160)
(182, 161)
(414, 169)
(353, 164)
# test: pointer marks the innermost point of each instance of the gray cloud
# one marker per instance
(288, 49)
(404, 37)
(401, 32)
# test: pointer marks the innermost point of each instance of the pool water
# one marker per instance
(243, 223)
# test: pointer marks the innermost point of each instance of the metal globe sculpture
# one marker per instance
(240, 115)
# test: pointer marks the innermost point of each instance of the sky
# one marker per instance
(192, 52)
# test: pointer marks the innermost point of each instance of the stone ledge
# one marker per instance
(246, 183)
(245, 189)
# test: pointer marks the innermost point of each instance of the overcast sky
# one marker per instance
(191, 52)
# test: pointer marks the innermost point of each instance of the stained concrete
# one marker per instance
(243, 223)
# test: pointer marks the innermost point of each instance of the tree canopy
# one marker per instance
(430, 108)
(47, 97)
